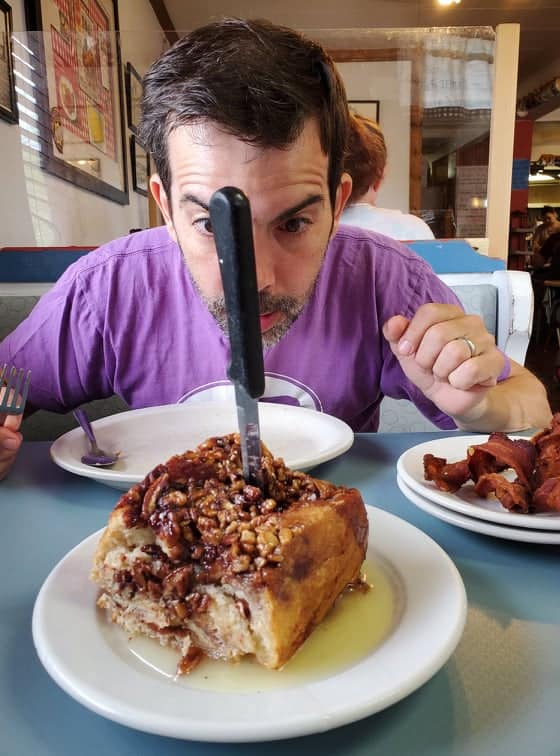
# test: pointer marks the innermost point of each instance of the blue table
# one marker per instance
(498, 694)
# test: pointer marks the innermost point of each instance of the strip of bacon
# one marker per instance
(547, 497)
(447, 477)
(512, 496)
(520, 455)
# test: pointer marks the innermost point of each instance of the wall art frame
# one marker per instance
(79, 93)
(140, 162)
(133, 91)
(368, 108)
(8, 102)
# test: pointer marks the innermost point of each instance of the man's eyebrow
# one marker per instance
(284, 215)
(291, 211)
(192, 198)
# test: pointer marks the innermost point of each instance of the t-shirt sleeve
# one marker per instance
(417, 284)
(63, 345)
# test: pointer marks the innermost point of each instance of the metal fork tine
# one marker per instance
(15, 390)
(25, 388)
(17, 387)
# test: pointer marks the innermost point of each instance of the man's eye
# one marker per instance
(203, 225)
(295, 225)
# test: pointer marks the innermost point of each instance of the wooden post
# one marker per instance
(502, 125)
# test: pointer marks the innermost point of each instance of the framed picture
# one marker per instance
(133, 89)
(367, 108)
(140, 162)
(79, 91)
(8, 105)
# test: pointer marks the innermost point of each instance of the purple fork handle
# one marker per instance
(82, 418)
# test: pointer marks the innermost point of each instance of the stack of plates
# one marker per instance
(464, 508)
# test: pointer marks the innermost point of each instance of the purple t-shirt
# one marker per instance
(126, 319)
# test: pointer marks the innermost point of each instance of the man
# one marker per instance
(366, 159)
(346, 316)
(550, 225)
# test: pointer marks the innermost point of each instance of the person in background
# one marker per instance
(366, 160)
(548, 271)
(550, 225)
(347, 316)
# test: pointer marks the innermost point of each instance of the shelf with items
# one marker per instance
(520, 235)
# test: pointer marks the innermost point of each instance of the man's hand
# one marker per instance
(434, 352)
(10, 441)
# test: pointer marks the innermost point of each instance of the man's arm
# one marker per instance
(517, 403)
(434, 353)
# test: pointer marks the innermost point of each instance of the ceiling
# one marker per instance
(539, 20)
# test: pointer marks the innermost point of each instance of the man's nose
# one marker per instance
(264, 261)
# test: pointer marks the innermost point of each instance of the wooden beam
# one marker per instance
(165, 20)
(502, 126)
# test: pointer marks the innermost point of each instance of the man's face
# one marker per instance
(291, 212)
(550, 219)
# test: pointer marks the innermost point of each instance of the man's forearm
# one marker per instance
(516, 404)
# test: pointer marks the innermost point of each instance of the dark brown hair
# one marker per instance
(257, 81)
(366, 155)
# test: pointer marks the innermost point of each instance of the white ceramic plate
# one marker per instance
(89, 658)
(410, 468)
(302, 437)
(476, 525)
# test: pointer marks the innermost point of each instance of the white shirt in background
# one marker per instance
(392, 223)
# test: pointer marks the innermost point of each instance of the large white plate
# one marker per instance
(410, 468)
(476, 525)
(83, 652)
(147, 437)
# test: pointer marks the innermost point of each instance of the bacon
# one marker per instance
(447, 477)
(520, 455)
(512, 496)
(536, 463)
(547, 497)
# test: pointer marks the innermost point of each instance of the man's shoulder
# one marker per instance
(150, 240)
(135, 249)
(363, 246)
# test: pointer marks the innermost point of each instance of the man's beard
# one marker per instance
(290, 307)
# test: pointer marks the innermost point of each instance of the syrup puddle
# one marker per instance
(358, 623)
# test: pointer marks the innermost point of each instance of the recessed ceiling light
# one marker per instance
(448, 2)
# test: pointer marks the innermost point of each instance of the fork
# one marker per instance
(16, 386)
(95, 456)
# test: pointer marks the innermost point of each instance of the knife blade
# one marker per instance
(230, 217)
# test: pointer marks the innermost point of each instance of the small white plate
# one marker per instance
(477, 526)
(147, 437)
(410, 467)
(90, 659)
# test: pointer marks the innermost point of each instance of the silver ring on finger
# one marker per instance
(469, 343)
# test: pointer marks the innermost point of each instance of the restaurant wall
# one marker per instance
(39, 209)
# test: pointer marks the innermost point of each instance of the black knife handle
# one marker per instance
(230, 216)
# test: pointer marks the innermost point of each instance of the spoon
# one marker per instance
(96, 456)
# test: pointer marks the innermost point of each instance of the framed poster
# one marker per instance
(367, 108)
(140, 162)
(8, 105)
(133, 89)
(80, 93)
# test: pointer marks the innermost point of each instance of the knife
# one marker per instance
(230, 216)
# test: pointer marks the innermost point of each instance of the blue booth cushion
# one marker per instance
(455, 256)
(37, 265)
